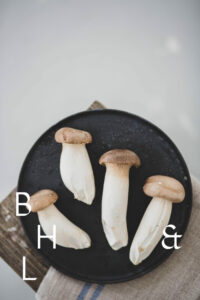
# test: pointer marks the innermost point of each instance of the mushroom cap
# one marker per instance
(120, 156)
(42, 199)
(70, 135)
(165, 187)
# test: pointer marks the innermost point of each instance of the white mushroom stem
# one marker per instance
(76, 172)
(67, 234)
(114, 204)
(150, 230)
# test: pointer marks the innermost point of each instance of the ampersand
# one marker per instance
(175, 236)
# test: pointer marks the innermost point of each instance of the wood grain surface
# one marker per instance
(14, 243)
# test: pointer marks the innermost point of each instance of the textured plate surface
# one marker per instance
(110, 129)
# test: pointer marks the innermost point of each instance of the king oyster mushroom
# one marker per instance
(115, 195)
(164, 190)
(67, 234)
(75, 166)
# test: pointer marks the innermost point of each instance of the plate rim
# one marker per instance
(152, 266)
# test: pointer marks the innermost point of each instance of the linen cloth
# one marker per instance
(177, 278)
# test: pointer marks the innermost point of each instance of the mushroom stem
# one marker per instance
(67, 234)
(76, 172)
(150, 230)
(164, 190)
(114, 204)
(115, 194)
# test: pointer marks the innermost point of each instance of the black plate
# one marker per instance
(110, 129)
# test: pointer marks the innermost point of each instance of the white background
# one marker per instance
(56, 57)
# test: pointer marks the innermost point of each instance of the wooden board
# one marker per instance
(14, 243)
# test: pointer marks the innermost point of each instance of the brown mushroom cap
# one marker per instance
(120, 156)
(165, 187)
(42, 199)
(70, 135)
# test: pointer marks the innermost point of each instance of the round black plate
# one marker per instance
(110, 129)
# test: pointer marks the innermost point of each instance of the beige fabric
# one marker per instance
(178, 278)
